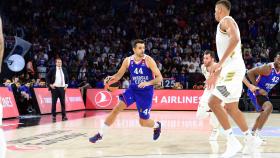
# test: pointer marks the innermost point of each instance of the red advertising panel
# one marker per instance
(73, 100)
(163, 99)
(8, 102)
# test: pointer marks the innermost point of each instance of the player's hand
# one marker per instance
(253, 88)
(211, 81)
(262, 92)
(108, 79)
(215, 68)
(144, 84)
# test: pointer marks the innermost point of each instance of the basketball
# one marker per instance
(112, 86)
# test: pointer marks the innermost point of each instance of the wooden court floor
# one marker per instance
(183, 136)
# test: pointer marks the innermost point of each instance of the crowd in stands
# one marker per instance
(93, 37)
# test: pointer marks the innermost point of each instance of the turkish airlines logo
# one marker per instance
(103, 99)
(6, 102)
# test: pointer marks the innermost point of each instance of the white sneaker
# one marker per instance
(260, 140)
(214, 134)
(233, 147)
(214, 147)
(251, 145)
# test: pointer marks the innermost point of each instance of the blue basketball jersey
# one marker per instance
(139, 72)
(143, 97)
(268, 82)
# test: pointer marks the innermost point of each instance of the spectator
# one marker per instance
(73, 83)
(26, 98)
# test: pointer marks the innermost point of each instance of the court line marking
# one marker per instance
(176, 154)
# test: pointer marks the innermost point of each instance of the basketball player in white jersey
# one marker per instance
(226, 80)
(2, 137)
(203, 110)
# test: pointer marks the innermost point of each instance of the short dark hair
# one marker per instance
(211, 53)
(135, 42)
(58, 59)
(225, 3)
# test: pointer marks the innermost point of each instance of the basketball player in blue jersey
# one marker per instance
(144, 74)
(2, 137)
(265, 78)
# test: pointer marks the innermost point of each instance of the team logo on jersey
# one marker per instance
(103, 99)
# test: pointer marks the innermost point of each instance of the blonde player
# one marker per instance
(203, 110)
(2, 137)
(226, 80)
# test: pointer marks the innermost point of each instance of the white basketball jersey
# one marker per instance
(235, 61)
(204, 71)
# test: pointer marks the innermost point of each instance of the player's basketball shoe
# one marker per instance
(233, 147)
(259, 138)
(251, 145)
(157, 131)
(95, 138)
(214, 134)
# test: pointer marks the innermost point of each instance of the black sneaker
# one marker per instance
(64, 118)
(157, 131)
(95, 138)
(53, 119)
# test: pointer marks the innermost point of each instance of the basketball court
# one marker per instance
(182, 136)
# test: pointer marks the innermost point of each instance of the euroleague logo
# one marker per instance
(103, 99)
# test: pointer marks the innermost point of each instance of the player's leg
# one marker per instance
(219, 111)
(203, 112)
(264, 110)
(256, 124)
(215, 127)
(203, 107)
(261, 120)
(232, 108)
(233, 145)
(238, 117)
(258, 108)
(227, 87)
(110, 119)
(147, 123)
(126, 99)
(267, 108)
(144, 103)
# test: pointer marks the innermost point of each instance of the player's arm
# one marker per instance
(116, 77)
(255, 72)
(1, 44)
(228, 25)
(252, 87)
(153, 66)
(202, 70)
(158, 77)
